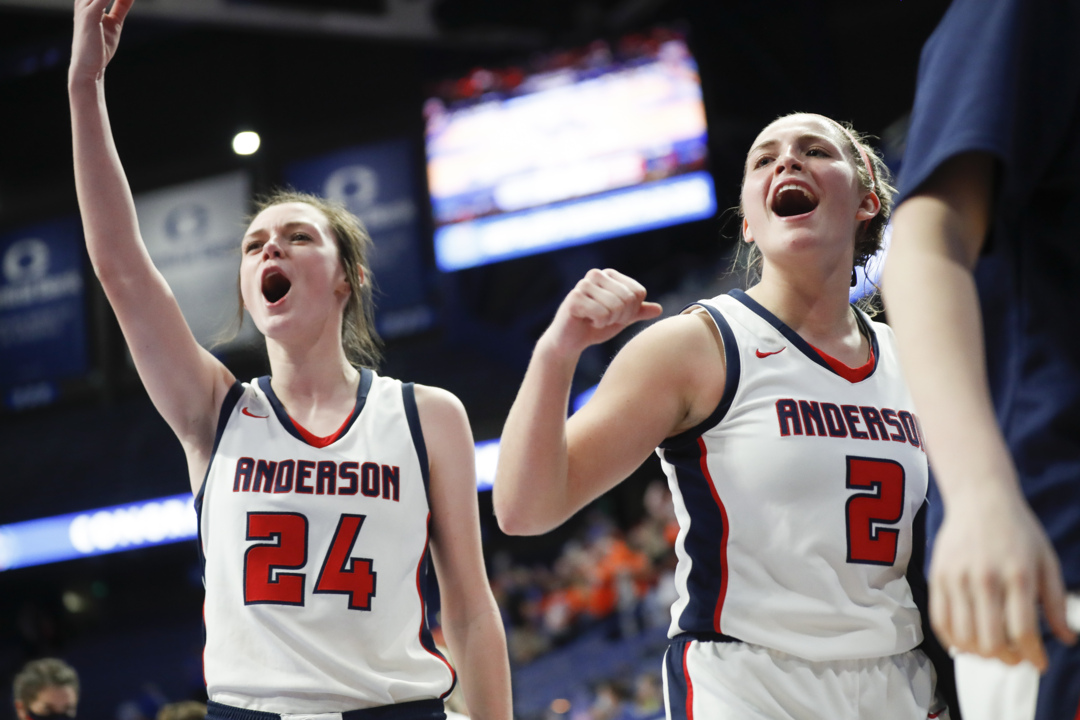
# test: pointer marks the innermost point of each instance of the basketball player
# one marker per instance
(319, 486)
(981, 282)
(787, 437)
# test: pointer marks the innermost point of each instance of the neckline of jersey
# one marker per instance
(849, 373)
(300, 433)
(811, 352)
(321, 442)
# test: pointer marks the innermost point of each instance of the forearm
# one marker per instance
(530, 492)
(105, 201)
(478, 647)
(934, 310)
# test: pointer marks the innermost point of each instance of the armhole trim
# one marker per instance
(227, 406)
(412, 414)
(731, 381)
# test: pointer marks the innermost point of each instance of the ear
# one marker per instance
(869, 207)
(747, 235)
(20, 710)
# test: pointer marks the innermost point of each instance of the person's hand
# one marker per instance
(599, 307)
(96, 36)
(992, 567)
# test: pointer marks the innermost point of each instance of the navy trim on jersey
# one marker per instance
(706, 583)
(362, 389)
(795, 339)
(231, 398)
(706, 637)
(227, 406)
(731, 382)
(424, 576)
(679, 688)
(408, 395)
(429, 709)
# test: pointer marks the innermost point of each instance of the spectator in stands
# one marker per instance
(46, 688)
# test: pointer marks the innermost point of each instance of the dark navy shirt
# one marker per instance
(1003, 77)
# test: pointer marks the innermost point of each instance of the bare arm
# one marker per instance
(992, 561)
(659, 384)
(185, 382)
(470, 618)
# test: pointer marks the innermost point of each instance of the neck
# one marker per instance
(815, 305)
(309, 376)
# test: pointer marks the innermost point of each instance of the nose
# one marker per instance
(272, 247)
(787, 160)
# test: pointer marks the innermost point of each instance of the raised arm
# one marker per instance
(185, 382)
(659, 384)
(992, 562)
(470, 617)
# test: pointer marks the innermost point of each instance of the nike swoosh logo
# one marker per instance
(761, 354)
(251, 414)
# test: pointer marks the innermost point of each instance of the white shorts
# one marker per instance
(738, 681)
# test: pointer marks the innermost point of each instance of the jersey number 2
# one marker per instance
(868, 542)
(264, 563)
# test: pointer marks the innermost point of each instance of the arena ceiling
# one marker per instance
(316, 75)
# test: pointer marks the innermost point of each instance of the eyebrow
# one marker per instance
(804, 136)
(286, 226)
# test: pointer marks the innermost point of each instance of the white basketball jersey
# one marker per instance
(796, 498)
(316, 559)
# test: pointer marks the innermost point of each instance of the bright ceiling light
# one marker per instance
(246, 143)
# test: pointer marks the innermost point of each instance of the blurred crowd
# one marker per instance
(620, 580)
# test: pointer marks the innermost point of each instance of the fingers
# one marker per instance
(120, 10)
(1022, 624)
(989, 606)
(607, 298)
(647, 311)
(984, 614)
(987, 619)
(1051, 592)
(93, 8)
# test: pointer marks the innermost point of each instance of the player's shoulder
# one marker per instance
(671, 352)
(438, 404)
(677, 335)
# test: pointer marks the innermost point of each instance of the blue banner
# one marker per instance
(376, 183)
(42, 311)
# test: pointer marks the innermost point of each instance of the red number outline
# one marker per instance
(868, 543)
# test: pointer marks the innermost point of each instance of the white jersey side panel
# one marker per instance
(796, 499)
(315, 558)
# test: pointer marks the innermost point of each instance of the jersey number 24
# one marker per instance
(264, 563)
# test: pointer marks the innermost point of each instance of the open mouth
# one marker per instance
(275, 286)
(791, 200)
